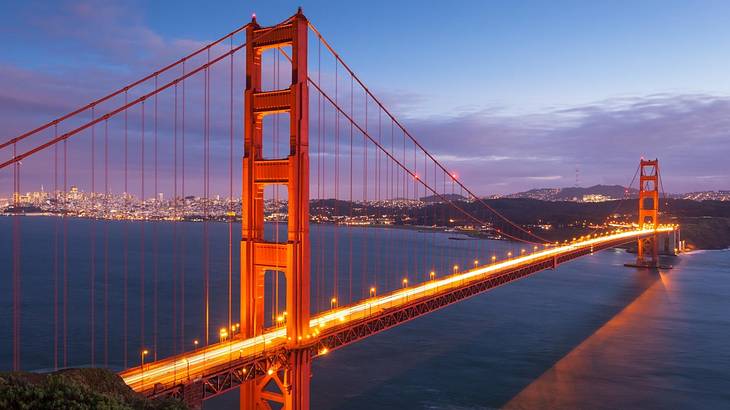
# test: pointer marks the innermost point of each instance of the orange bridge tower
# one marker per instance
(648, 247)
(289, 385)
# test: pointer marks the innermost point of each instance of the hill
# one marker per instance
(74, 389)
(577, 193)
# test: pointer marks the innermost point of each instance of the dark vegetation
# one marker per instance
(74, 389)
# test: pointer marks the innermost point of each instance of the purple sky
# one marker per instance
(514, 106)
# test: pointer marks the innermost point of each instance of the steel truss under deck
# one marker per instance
(247, 369)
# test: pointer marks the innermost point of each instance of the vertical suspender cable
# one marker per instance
(204, 196)
(155, 240)
(376, 243)
(142, 237)
(323, 281)
(55, 252)
(375, 202)
(65, 254)
(391, 249)
(230, 192)
(16, 263)
(106, 244)
(175, 239)
(405, 197)
(182, 226)
(205, 199)
(315, 210)
(335, 273)
(349, 227)
(92, 271)
(365, 202)
(125, 231)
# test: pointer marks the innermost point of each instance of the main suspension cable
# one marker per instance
(380, 104)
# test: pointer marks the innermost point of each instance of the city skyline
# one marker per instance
(542, 193)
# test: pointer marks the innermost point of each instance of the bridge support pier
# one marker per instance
(286, 388)
(193, 394)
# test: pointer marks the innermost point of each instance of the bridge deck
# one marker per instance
(224, 365)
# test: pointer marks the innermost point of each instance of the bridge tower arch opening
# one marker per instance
(288, 386)
(648, 247)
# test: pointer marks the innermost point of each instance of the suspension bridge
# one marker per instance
(188, 301)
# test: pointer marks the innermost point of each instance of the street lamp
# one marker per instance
(223, 334)
(476, 262)
(432, 275)
(405, 282)
(494, 258)
(145, 352)
(456, 268)
(333, 303)
(195, 343)
(509, 254)
(370, 304)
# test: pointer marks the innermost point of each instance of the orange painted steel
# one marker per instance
(291, 385)
(648, 247)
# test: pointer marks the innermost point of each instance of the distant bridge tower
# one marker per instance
(648, 247)
(289, 385)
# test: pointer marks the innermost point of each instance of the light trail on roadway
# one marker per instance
(191, 365)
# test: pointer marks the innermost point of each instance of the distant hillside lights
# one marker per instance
(596, 198)
(603, 193)
(708, 196)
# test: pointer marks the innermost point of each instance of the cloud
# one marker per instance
(100, 30)
(89, 49)
(545, 178)
(604, 140)
(492, 150)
